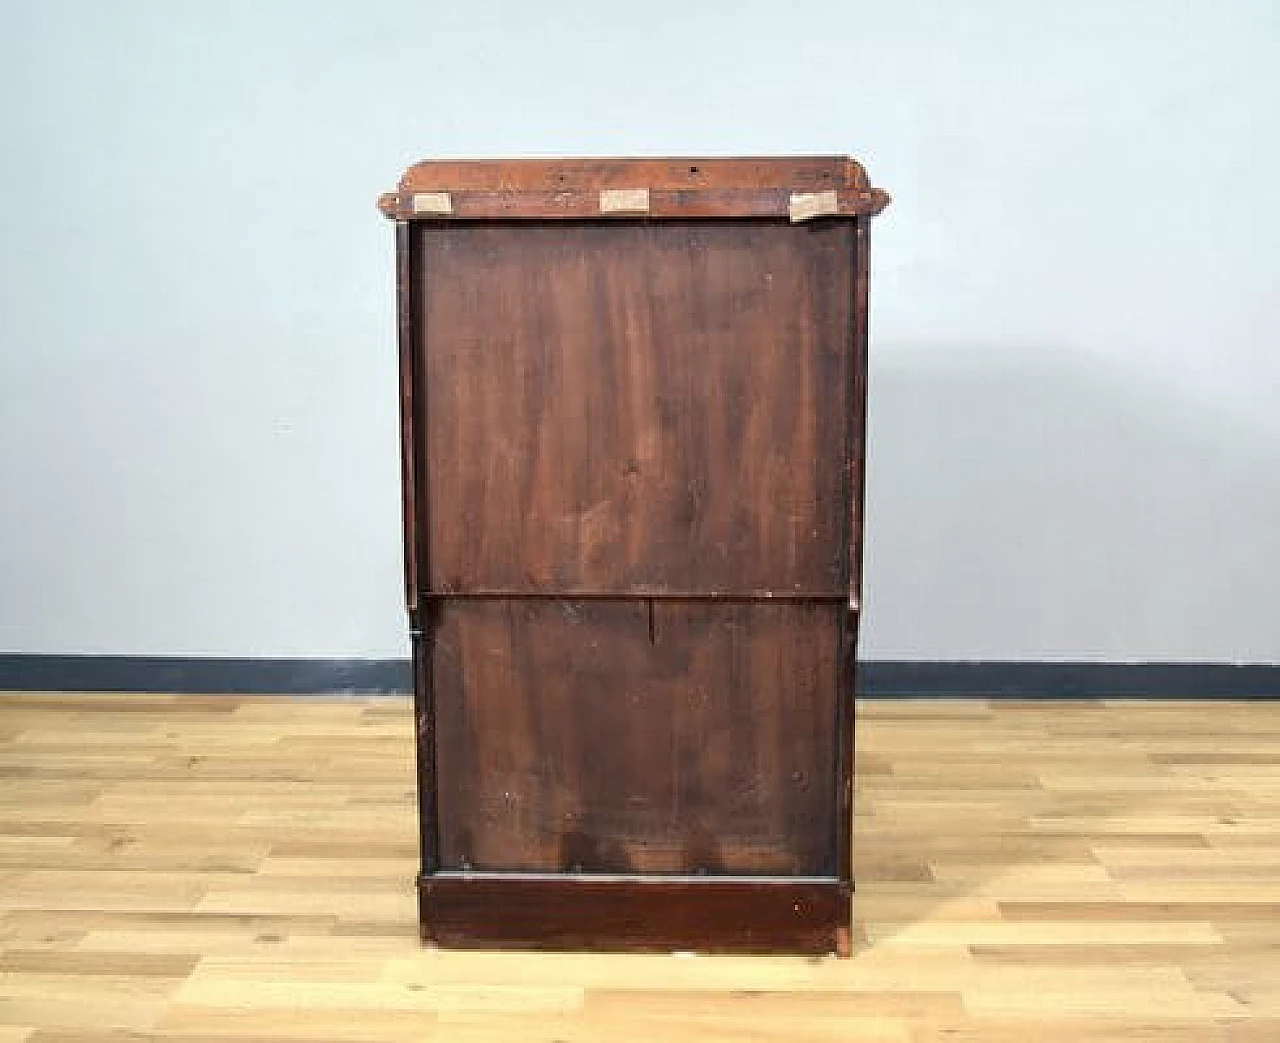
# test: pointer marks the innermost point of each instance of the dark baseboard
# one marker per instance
(1042, 679)
(205, 676)
(876, 678)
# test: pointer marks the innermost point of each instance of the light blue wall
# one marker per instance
(1075, 429)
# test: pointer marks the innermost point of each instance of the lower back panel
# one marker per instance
(636, 736)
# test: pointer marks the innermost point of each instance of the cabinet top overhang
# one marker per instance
(798, 187)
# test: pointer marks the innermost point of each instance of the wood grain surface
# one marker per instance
(673, 187)
(192, 869)
(619, 736)
(661, 173)
(631, 454)
(635, 408)
(636, 913)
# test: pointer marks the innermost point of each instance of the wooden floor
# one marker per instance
(198, 869)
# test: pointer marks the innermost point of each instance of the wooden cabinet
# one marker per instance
(632, 398)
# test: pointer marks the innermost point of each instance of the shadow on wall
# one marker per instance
(1042, 505)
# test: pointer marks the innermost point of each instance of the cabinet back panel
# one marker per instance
(634, 407)
(628, 736)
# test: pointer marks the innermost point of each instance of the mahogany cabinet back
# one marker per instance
(633, 402)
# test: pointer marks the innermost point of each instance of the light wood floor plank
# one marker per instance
(190, 869)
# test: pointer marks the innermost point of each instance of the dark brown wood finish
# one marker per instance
(422, 617)
(708, 203)
(426, 740)
(479, 910)
(666, 173)
(628, 736)
(633, 408)
(856, 440)
(857, 414)
(408, 447)
(690, 187)
(637, 408)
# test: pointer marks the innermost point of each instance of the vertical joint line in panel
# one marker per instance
(653, 633)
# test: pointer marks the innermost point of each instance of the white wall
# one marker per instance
(1075, 430)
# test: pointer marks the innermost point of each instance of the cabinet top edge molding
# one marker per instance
(798, 187)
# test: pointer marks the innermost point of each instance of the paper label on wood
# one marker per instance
(432, 203)
(807, 205)
(624, 200)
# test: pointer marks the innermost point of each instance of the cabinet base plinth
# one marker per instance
(646, 914)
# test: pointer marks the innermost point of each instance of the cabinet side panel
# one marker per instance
(405, 336)
(856, 451)
(623, 736)
(636, 408)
